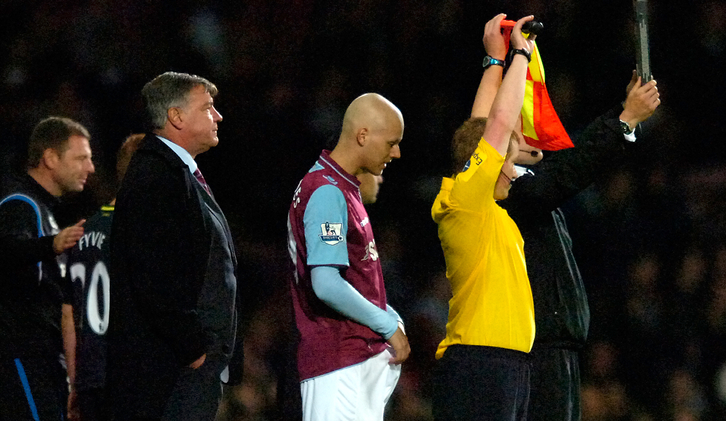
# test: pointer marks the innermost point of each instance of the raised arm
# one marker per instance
(491, 79)
(510, 96)
(599, 149)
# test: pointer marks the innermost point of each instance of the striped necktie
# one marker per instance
(198, 175)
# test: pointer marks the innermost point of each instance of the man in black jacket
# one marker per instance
(562, 314)
(35, 312)
(174, 305)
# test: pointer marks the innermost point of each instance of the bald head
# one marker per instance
(372, 130)
(372, 112)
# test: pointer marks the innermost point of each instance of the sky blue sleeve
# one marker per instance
(326, 227)
(393, 313)
(337, 293)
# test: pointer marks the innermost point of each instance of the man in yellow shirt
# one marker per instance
(483, 370)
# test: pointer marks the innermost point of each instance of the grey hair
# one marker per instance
(169, 90)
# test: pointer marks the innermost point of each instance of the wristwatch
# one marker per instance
(626, 128)
(489, 61)
(523, 52)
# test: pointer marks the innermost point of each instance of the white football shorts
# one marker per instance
(356, 393)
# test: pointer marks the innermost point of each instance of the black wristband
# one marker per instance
(523, 52)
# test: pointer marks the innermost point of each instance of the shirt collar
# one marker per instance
(523, 170)
(181, 152)
(325, 157)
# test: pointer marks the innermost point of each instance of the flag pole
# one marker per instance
(641, 31)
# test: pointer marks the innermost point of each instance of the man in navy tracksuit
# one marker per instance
(34, 294)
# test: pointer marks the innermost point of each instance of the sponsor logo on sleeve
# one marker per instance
(477, 161)
(331, 233)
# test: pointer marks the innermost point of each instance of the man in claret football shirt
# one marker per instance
(351, 342)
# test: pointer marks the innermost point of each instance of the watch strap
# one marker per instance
(627, 130)
(523, 52)
(489, 61)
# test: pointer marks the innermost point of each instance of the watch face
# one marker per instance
(626, 128)
(488, 61)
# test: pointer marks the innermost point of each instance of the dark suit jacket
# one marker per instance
(162, 252)
(562, 314)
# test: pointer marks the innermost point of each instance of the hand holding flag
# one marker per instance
(541, 127)
(494, 42)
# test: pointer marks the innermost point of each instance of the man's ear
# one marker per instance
(51, 158)
(362, 136)
(175, 116)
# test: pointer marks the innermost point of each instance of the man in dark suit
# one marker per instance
(174, 304)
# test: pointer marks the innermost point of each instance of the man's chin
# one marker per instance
(501, 195)
(72, 189)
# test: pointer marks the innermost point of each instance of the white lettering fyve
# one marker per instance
(92, 239)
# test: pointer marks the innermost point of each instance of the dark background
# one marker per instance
(649, 237)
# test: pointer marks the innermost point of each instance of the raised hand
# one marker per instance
(518, 40)
(641, 102)
(493, 39)
(633, 81)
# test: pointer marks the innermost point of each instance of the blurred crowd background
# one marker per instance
(649, 238)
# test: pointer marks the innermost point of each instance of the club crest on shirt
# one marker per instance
(53, 225)
(331, 233)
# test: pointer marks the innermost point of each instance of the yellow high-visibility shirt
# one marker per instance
(484, 251)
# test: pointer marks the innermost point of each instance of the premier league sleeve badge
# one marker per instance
(331, 233)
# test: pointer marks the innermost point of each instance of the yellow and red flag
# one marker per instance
(541, 127)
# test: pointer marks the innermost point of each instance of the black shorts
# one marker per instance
(481, 383)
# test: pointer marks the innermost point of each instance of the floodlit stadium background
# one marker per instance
(649, 238)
